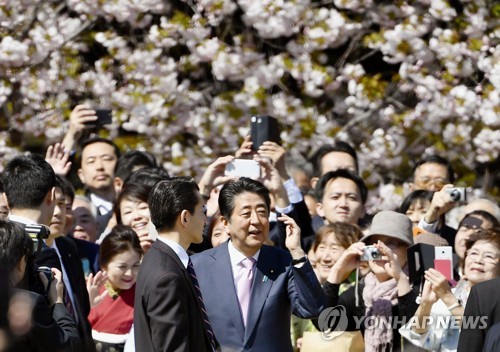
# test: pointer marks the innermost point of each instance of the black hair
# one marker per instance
(341, 147)
(66, 187)
(120, 239)
(233, 188)
(100, 140)
(169, 198)
(413, 196)
(135, 191)
(148, 176)
(133, 160)
(27, 179)
(436, 159)
(14, 244)
(340, 173)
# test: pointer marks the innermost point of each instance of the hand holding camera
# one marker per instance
(348, 261)
(53, 283)
(443, 201)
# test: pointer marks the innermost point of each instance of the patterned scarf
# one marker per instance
(379, 298)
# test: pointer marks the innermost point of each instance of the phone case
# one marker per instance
(445, 267)
(262, 129)
(243, 167)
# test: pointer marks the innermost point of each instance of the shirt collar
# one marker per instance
(236, 256)
(21, 220)
(101, 203)
(177, 248)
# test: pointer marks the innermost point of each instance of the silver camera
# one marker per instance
(370, 253)
(457, 194)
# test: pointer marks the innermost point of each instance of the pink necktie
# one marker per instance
(244, 287)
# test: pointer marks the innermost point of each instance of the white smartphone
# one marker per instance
(443, 261)
(243, 168)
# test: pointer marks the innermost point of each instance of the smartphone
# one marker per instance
(243, 168)
(104, 117)
(262, 129)
(86, 267)
(443, 261)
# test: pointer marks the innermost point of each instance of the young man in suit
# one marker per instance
(251, 289)
(76, 297)
(169, 311)
(33, 195)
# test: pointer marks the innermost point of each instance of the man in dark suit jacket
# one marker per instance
(255, 316)
(50, 326)
(483, 301)
(67, 258)
(168, 312)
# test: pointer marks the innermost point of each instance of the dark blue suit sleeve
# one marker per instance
(305, 292)
(301, 215)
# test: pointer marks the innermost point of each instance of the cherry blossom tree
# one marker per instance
(398, 80)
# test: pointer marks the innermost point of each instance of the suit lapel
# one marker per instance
(262, 283)
(223, 280)
(171, 253)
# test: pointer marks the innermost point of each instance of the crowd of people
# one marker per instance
(137, 259)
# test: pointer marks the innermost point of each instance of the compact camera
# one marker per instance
(370, 253)
(457, 194)
(47, 272)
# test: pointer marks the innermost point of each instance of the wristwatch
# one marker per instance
(454, 305)
(300, 260)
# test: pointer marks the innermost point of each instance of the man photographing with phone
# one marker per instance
(81, 120)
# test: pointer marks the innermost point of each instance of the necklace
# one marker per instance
(114, 294)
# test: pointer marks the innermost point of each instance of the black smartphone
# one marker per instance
(104, 117)
(262, 129)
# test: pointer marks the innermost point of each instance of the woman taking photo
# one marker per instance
(112, 291)
(385, 292)
(440, 300)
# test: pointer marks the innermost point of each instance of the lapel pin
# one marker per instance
(265, 278)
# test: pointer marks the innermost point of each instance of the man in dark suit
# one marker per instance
(76, 296)
(50, 326)
(169, 311)
(251, 289)
(483, 301)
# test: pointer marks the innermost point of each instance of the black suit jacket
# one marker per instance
(72, 264)
(483, 301)
(301, 215)
(89, 251)
(167, 316)
(52, 328)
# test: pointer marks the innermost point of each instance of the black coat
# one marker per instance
(167, 316)
(73, 267)
(52, 329)
(483, 303)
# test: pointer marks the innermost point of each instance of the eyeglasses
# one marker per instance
(487, 257)
(426, 182)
